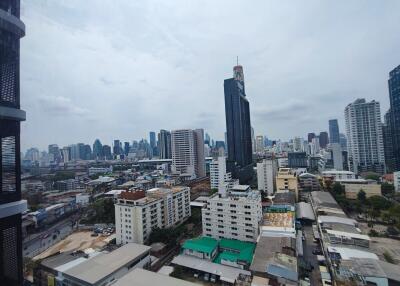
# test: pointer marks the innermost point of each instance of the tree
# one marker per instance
(361, 196)
(379, 203)
(372, 176)
(387, 189)
(337, 188)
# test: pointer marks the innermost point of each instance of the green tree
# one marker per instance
(379, 203)
(372, 176)
(361, 196)
(387, 189)
(337, 189)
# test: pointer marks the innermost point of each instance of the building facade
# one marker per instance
(164, 144)
(266, 175)
(394, 95)
(11, 205)
(323, 139)
(238, 127)
(364, 135)
(188, 152)
(233, 217)
(334, 136)
(138, 213)
(286, 181)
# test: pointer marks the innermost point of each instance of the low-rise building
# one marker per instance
(233, 217)
(275, 259)
(92, 268)
(370, 190)
(286, 181)
(308, 182)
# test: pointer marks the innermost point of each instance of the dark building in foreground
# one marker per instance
(11, 205)
(334, 136)
(394, 95)
(238, 127)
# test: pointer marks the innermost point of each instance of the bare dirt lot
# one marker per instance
(79, 240)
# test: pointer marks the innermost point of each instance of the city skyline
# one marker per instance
(122, 99)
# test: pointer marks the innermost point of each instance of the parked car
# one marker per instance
(196, 275)
(317, 252)
(206, 277)
(213, 278)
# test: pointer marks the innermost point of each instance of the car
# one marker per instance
(317, 252)
(94, 234)
(213, 278)
(206, 277)
(196, 275)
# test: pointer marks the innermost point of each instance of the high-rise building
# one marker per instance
(259, 144)
(394, 95)
(153, 144)
(334, 131)
(107, 152)
(66, 154)
(337, 156)
(323, 139)
(390, 160)
(164, 144)
(126, 148)
(297, 160)
(11, 205)
(238, 127)
(343, 141)
(310, 137)
(364, 135)
(117, 147)
(266, 175)
(97, 150)
(54, 153)
(188, 152)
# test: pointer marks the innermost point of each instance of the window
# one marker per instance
(248, 213)
(247, 218)
(247, 207)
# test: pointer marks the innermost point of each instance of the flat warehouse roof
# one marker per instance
(141, 277)
(226, 273)
(104, 264)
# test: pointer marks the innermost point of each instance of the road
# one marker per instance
(37, 243)
(308, 246)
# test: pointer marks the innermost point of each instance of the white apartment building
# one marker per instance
(188, 152)
(266, 175)
(138, 213)
(364, 136)
(396, 181)
(219, 178)
(233, 217)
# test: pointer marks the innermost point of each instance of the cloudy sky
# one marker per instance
(117, 69)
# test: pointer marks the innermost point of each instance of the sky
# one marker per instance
(118, 69)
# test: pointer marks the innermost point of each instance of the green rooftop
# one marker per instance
(201, 244)
(243, 250)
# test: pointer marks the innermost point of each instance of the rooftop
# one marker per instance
(237, 250)
(266, 249)
(226, 273)
(368, 267)
(304, 211)
(201, 244)
(104, 264)
(324, 199)
(141, 277)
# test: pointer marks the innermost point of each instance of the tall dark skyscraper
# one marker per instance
(334, 136)
(310, 137)
(323, 139)
(394, 95)
(238, 127)
(164, 144)
(11, 205)
(117, 147)
(390, 161)
(97, 150)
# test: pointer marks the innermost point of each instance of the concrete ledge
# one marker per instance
(13, 208)
(12, 113)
